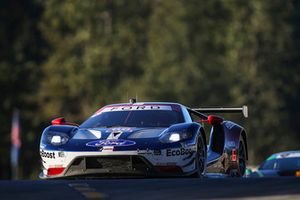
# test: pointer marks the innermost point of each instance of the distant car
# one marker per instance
(280, 164)
(144, 139)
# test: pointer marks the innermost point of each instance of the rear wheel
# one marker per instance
(200, 158)
(241, 167)
(242, 158)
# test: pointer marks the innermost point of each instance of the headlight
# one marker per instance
(57, 138)
(170, 137)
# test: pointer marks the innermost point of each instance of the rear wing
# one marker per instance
(243, 110)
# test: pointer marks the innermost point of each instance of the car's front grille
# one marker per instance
(109, 164)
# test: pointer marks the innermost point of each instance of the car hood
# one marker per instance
(265, 173)
(118, 133)
(121, 138)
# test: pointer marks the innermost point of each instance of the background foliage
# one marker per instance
(68, 58)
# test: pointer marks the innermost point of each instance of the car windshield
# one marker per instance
(135, 118)
(282, 164)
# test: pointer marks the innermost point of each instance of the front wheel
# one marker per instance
(200, 158)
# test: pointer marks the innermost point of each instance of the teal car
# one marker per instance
(277, 165)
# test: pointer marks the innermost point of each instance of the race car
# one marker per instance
(144, 139)
(279, 164)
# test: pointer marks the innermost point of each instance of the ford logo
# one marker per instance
(112, 142)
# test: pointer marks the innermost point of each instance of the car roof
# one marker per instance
(285, 154)
(145, 103)
(138, 104)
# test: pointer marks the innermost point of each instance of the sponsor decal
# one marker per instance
(61, 154)
(157, 152)
(111, 142)
(141, 107)
(119, 130)
(179, 152)
(47, 154)
(132, 107)
(108, 148)
(135, 107)
(144, 152)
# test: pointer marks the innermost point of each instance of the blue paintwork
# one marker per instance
(232, 134)
(140, 143)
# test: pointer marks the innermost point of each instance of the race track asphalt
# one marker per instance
(153, 189)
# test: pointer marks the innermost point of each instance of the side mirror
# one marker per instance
(62, 121)
(214, 120)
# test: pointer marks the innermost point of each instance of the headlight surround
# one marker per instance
(175, 136)
(57, 139)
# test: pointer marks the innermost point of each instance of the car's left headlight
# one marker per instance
(176, 136)
(57, 138)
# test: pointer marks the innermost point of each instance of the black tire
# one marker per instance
(200, 158)
(242, 158)
(241, 167)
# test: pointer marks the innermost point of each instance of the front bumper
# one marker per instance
(97, 166)
(119, 163)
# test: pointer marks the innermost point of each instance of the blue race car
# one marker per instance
(144, 139)
(279, 164)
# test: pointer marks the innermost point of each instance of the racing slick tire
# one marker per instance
(241, 167)
(200, 158)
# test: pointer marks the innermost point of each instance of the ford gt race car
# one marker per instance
(144, 139)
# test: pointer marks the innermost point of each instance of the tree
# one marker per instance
(96, 47)
(19, 74)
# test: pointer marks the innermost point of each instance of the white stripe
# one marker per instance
(136, 108)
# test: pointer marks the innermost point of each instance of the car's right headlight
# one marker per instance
(175, 136)
(56, 138)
